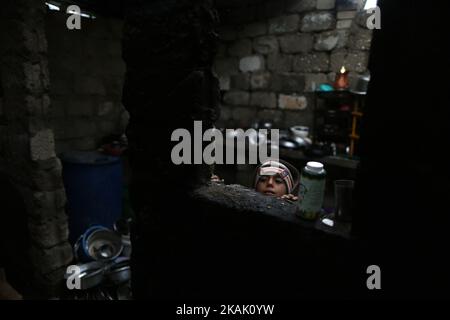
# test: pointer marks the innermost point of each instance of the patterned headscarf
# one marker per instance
(271, 168)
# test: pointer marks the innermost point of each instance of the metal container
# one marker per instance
(300, 131)
(360, 85)
(120, 271)
(299, 134)
(104, 245)
(91, 274)
(98, 243)
(126, 252)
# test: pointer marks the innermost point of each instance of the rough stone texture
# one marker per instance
(301, 48)
(241, 199)
(237, 98)
(243, 116)
(28, 148)
(347, 5)
(254, 30)
(46, 178)
(325, 4)
(241, 48)
(263, 99)
(344, 24)
(353, 77)
(264, 224)
(342, 15)
(260, 80)
(313, 80)
(252, 64)
(318, 21)
(331, 77)
(326, 41)
(360, 38)
(288, 82)
(77, 91)
(298, 118)
(296, 43)
(300, 5)
(357, 61)
(337, 60)
(106, 108)
(241, 81)
(42, 145)
(343, 38)
(51, 259)
(315, 62)
(353, 61)
(225, 83)
(226, 67)
(292, 102)
(274, 116)
(47, 204)
(265, 45)
(225, 112)
(50, 232)
(362, 18)
(280, 62)
(284, 24)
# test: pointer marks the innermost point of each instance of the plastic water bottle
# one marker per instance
(312, 190)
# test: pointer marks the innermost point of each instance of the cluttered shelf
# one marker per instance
(338, 161)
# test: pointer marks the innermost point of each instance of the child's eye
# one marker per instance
(263, 179)
(279, 180)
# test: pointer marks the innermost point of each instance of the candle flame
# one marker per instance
(343, 70)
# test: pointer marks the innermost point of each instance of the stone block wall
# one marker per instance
(87, 72)
(274, 54)
(27, 145)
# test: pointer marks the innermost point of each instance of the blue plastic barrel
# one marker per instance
(94, 190)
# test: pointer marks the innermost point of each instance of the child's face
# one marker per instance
(271, 186)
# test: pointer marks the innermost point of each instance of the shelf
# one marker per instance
(339, 111)
(337, 161)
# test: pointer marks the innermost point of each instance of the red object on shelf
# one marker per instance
(341, 82)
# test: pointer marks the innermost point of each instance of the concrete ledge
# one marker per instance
(237, 198)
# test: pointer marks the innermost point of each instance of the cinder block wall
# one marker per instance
(273, 54)
(27, 153)
(86, 79)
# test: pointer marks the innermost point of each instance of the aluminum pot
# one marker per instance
(91, 274)
(120, 271)
(98, 243)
